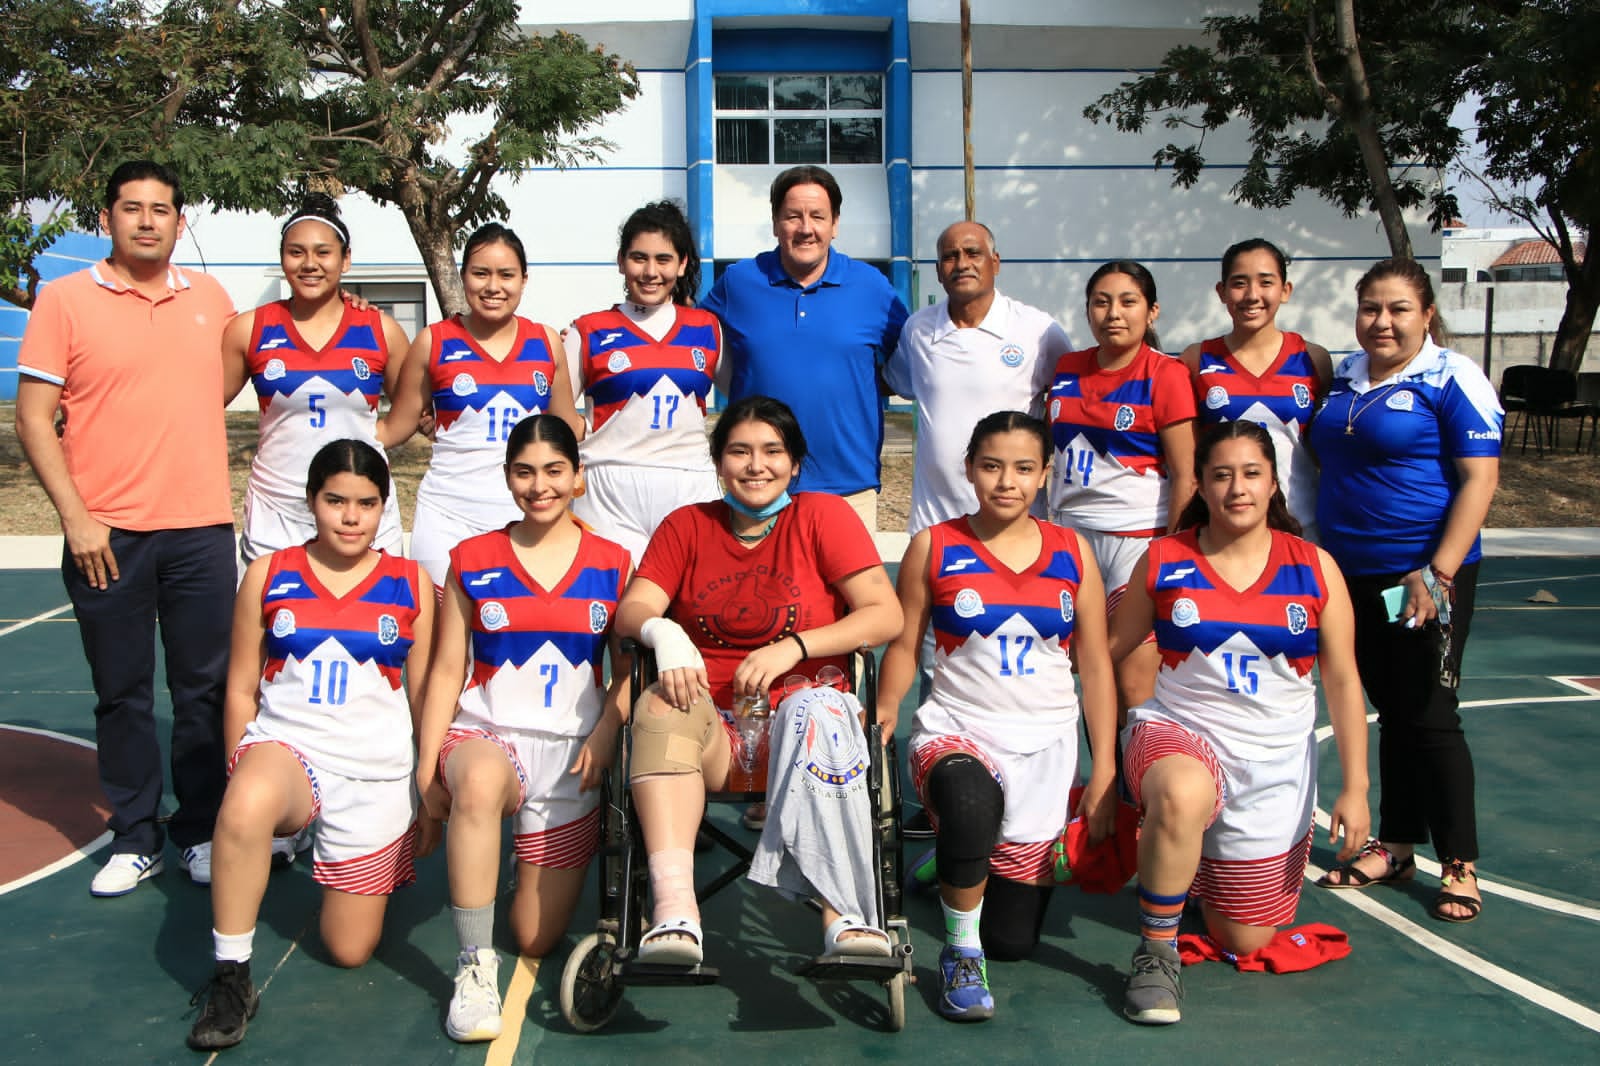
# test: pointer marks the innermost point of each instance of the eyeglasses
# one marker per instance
(829, 676)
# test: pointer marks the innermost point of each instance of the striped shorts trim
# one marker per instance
(1152, 740)
(1262, 892)
(377, 874)
(311, 775)
(456, 737)
(561, 847)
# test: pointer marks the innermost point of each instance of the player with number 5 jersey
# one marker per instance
(319, 367)
(480, 373)
(517, 721)
(646, 366)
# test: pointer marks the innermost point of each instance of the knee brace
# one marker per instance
(968, 802)
(1013, 916)
(667, 740)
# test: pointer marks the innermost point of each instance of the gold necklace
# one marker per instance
(1356, 412)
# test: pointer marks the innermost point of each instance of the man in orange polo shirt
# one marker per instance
(129, 350)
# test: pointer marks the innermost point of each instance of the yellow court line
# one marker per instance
(513, 1012)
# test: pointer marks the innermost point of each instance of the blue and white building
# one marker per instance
(733, 91)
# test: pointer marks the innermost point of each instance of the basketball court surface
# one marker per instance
(89, 980)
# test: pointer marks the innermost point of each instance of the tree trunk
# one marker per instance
(437, 245)
(1577, 320)
(969, 179)
(1359, 113)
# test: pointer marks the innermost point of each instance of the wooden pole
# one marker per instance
(966, 111)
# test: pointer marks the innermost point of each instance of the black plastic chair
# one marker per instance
(1514, 399)
(1553, 397)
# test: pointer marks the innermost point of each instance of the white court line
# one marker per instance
(1485, 885)
(1534, 580)
(67, 860)
(26, 622)
(1473, 964)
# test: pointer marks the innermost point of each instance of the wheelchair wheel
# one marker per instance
(590, 993)
(896, 989)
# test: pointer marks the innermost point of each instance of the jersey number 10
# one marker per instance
(329, 686)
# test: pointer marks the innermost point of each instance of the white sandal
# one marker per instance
(675, 942)
(875, 944)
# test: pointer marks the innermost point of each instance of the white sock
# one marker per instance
(235, 947)
(672, 884)
(961, 927)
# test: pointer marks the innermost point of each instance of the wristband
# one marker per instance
(804, 654)
(1443, 579)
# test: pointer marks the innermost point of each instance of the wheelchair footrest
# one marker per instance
(630, 971)
(879, 968)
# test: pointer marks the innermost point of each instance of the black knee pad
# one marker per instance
(969, 805)
(1013, 916)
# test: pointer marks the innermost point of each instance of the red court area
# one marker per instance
(50, 801)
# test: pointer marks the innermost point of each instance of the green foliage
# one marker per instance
(254, 102)
(1276, 71)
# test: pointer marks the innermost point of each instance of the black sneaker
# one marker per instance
(230, 1002)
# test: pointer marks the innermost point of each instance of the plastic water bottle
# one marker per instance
(751, 716)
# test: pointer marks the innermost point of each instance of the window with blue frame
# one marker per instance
(831, 119)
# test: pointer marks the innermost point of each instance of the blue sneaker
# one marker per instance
(964, 985)
(922, 875)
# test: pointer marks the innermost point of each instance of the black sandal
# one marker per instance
(1452, 871)
(1350, 876)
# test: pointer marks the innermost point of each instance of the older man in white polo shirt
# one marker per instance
(974, 353)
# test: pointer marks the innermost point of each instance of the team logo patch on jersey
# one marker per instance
(968, 603)
(1298, 618)
(388, 629)
(1184, 612)
(598, 616)
(618, 362)
(273, 370)
(283, 622)
(699, 357)
(1302, 395)
(492, 614)
(1055, 409)
(541, 384)
(1216, 397)
(1124, 420)
(1066, 605)
(1011, 355)
(464, 385)
(1400, 401)
(359, 366)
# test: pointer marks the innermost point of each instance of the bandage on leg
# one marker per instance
(667, 740)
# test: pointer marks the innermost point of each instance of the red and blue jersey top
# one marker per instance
(332, 682)
(1002, 666)
(477, 399)
(310, 396)
(1109, 471)
(1237, 663)
(537, 653)
(647, 397)
(1281, 399)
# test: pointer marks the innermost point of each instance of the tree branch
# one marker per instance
(450, 66)
(435, 34)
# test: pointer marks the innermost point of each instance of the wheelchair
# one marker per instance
(604, 963)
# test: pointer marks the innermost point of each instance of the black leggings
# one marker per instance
(1424, 768)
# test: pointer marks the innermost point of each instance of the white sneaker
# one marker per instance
(197, 860)
(283, 851)
(122, 873)
(475, 1007)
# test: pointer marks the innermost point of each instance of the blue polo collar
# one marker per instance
(832, 275)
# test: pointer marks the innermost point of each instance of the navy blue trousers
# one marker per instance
(182, 581)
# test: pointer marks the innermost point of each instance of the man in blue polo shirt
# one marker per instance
(810, 326)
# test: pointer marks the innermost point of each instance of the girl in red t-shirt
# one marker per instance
(735, 596)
